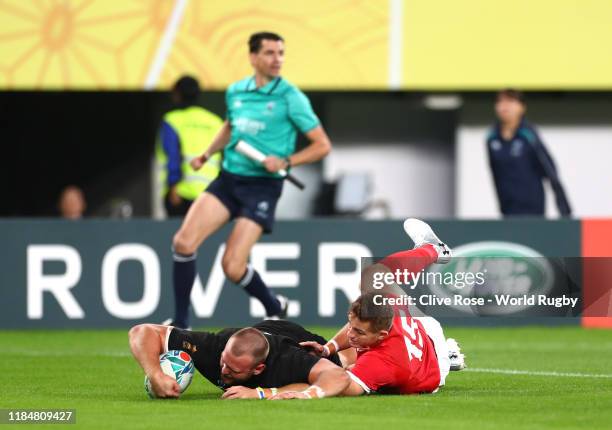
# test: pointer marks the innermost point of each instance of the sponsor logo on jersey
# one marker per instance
(190, 346)
(248, 126)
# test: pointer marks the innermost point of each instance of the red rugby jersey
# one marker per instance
(405, 362)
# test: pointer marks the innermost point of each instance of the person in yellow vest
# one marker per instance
(185, 133)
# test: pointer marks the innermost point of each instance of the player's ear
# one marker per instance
(383, 334)
(259, 368)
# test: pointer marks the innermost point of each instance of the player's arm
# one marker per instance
(354, 389)
(326, 379)
(147, 342)
(337, 343)
(221, 139)
(241, 392)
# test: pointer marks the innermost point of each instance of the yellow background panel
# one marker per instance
(54, 44)
(329, 44)
(539, 44)
(80, 43)
(447, 44)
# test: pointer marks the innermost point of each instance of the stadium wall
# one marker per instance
(96, 273)
(575, 128)
(580, 170)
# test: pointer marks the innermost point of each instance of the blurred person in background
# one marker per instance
(72, 203)
(185, 133)
(519, 161)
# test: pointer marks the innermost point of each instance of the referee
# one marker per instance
(265, 111)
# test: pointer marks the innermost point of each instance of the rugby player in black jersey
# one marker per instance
(254, 362)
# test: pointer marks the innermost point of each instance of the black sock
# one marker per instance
(183, 276)
(253, 284)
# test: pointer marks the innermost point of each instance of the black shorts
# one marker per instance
(251, 197)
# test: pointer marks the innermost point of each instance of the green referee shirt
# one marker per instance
(267, 118)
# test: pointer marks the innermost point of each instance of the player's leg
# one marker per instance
(245, 234)
(205, 216)
(448, 350)
(434, 330)
(428, 249)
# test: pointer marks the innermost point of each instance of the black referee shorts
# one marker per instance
(250, 197)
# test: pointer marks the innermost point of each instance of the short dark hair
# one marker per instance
(250, 341)
(188, 89)
(380, 317)
(511, 93)
(256, 39)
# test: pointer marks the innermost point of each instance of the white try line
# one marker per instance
(537, 373)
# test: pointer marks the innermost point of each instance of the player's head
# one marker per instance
(267, 53)
(369, 323)
(510, 105)
(186, 90)
(244, 356)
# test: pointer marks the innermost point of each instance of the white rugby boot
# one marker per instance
(421, 234)
(457, 359)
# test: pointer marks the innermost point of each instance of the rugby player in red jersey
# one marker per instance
(384, 348)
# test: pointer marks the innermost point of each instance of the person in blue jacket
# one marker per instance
(520, 162)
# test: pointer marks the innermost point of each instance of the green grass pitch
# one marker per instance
(564, 382)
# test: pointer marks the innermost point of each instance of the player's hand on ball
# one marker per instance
(165, 386)
(274, 164)
(314, 347)
(290, 395)
(240, 392)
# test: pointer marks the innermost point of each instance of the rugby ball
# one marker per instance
(176, 364)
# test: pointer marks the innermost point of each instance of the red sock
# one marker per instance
(413, 260)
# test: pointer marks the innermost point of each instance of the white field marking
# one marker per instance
(537, 373)
(163, 50)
